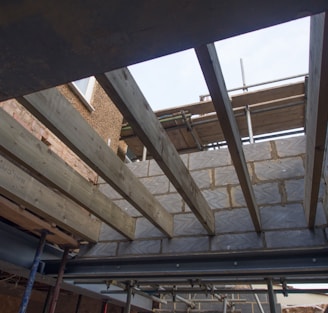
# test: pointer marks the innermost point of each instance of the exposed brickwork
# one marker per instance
(42, 133)
(106, 120)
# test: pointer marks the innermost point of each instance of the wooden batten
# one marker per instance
(316, 113)
(124, 91)
(25, 190)
(210, 66)
(26, 149)
(34, 224)
(56, 113)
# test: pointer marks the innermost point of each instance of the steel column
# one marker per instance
(144, 154)
(272, 300)
(225, 303)
(249, 124)
(58, 282)
(35, 265)
(127, 308)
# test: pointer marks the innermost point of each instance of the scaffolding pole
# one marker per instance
(31, 279)
(272, 300)
(59, 281)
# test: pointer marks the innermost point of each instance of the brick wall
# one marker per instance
(277, 174)
(106, 120)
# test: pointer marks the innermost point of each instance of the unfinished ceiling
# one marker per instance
(47, 44)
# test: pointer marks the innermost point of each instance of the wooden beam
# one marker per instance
(125, 93)
(26, 149)
(316, 113)
(56, 113)
(210, 66)
(28, 221)
(22, 188)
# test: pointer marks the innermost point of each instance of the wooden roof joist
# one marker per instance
(57, 114)
(26, 149)
(125, 93)
(22, 188)
(34, 224)
(316, 113)
(211, 69)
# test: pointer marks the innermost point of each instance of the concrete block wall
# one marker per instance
(277, 173)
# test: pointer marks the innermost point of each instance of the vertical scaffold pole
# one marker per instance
(35, 265)
(272, 300)
(127, 308)
(59, 281)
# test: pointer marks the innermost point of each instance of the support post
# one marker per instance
(127, 308)
(249, 124)
(144, 154)
(225, 303)
(35, 265)
(272, 300)
(59, 281)
(243, 75)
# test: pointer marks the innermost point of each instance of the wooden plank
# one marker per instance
(209, 131)
(21, 145)
(268, 94)
(241, 100)
(211, 69)
(12, 212)
(56, 113)
(22, 188)
(316, 114)
(125, 93)
(263, 123)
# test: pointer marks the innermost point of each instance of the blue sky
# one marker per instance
(268, 54)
